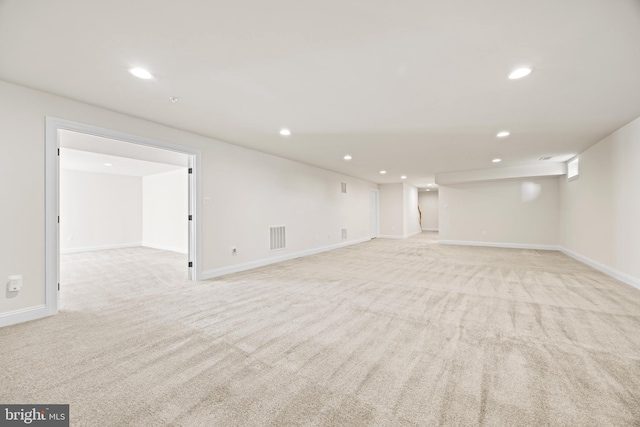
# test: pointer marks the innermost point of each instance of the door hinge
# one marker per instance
(58, 286)
(190, 170)
(58, 219)
(190, 264)
(190, 217)
(58, 151)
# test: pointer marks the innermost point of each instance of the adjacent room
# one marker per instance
(347, 213)
(121, 204)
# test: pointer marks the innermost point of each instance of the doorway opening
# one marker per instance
(428, 201)
(111, 169)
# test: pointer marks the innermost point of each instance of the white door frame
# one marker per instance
(52, 198)
(374, 199)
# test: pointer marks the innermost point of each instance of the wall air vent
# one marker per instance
(344, 234)
(277, 238)
(545, 158)
(343, 186)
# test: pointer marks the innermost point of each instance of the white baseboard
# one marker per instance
(165, 248)
(430, 229)
(100, 248)
(210, 274)
(623, 277)
(501, 245)
(406, 236)
(23, 315)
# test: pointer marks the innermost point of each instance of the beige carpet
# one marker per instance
(387, 333)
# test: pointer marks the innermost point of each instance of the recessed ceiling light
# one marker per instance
(285, 132)
(503, 133)
(403, 177)
(383, 172)
(428, 189)
(429, 185)
(108, 164)
(520, 73)
(496, 160)
(141, 73)
(174, 99)
(347, 157)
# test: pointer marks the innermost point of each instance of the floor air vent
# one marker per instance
(278, 238)
(344, 234)
(343, 187)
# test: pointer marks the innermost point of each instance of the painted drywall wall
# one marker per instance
(249, 191)
(99, 211)
(514, 211)
(411, 214)
(399, 216)
(165, 210)
(428, 201)
(600, 211)
(391, 210)
(510, 172)
(267, 191)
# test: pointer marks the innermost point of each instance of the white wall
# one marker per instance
(600, 211)
(540, 169)
(99, 211)
(256, 191)
(250, 191)
(515, 211)
(391, 210)
(428, 201)
(399, 216)
(411, 214)
(165, 210)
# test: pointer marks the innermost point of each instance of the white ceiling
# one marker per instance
(415, 87)
(99, 163)
(97, 144)
(89, 153)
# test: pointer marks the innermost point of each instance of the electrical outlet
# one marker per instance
(15, 283)
(484, 233)
(234, 251)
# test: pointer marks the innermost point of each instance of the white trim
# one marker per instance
(406, 236)
(165, 248)
(52, 245)
(616, 274)
(210, 274)
(376, 192)
(51, 238)
(23, 315)
(430, 229)
(501, 245)
(100, 248)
